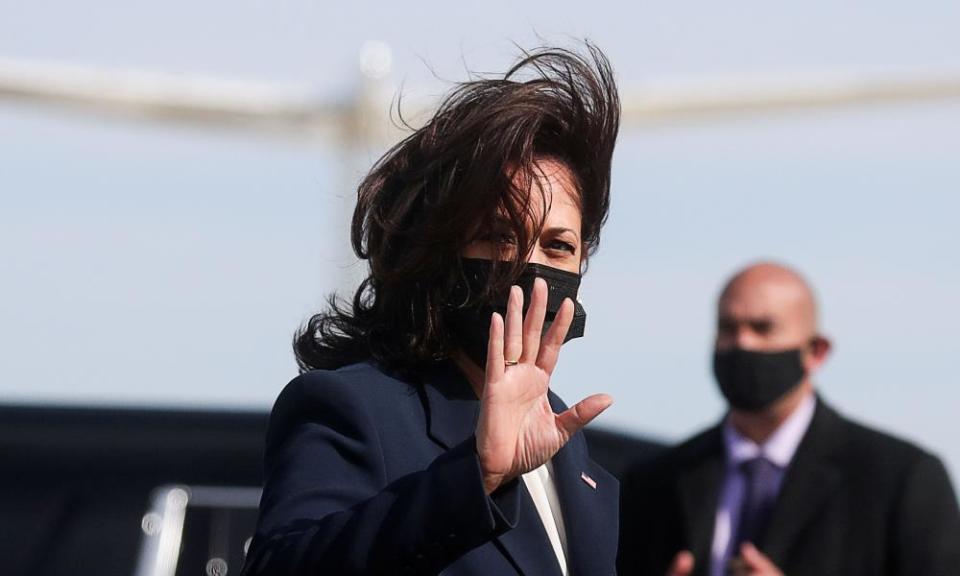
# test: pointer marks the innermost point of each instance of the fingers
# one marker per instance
(495, 365)
(682, 564)
(575, 418)
(513, 331)
(553, 340)
(756, 562)
(533, 321)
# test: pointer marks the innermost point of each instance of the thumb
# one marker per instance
(575, 418)
(682, 564)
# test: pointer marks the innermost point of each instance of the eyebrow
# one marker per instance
(559, 229)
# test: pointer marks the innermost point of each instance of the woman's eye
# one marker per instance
(562, 246)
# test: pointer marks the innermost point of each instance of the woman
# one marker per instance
(421, 435)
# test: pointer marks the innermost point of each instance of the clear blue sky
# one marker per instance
(169, 265)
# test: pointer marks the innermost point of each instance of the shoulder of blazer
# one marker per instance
(662, 472)
(362, 379)
(707, 443)
(341, 393)
(864, 448)
(691, 453)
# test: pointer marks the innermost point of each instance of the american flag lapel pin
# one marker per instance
(588, 480)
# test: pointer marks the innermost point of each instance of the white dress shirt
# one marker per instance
(778, 449)
(544, 493)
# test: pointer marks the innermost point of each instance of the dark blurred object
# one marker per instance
(75, 483)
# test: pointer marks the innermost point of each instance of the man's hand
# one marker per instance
(682, 564)
(752, 562)
(517, 430)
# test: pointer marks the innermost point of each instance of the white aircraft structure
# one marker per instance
(363, 122)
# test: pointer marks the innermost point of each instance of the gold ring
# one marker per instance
(511, 362)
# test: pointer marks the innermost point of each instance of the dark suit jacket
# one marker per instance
(369, 474)
(854, 502)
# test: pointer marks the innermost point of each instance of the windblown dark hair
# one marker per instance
(471, 168)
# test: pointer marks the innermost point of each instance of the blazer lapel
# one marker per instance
(452, 410)
(699, 489)
(527, 544)
(452, 407)
(813, 476)
(589, 498)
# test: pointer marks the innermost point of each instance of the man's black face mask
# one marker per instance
(470, 321)
(752, 381)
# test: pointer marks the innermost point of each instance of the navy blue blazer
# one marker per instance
(370, 474)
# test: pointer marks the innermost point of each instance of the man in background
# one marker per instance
(785, 484)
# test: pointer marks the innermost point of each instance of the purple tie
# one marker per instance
(762, 483)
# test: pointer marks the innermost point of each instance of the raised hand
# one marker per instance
(518, 431)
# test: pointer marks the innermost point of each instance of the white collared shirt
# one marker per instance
(540, 484)
(778, 449)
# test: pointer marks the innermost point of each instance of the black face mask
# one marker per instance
(470, 322)
(752, 381)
